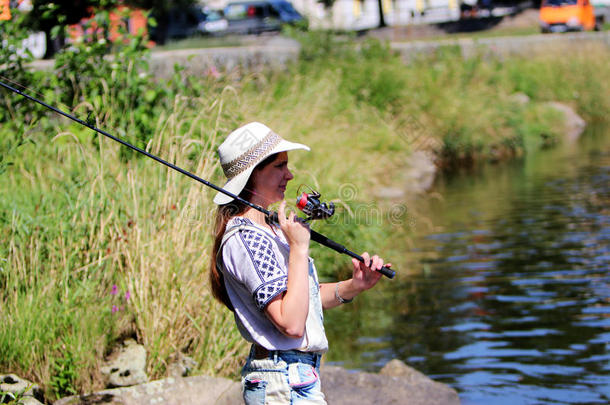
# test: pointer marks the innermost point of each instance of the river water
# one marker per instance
(510, 301)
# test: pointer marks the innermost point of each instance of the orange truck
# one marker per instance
(5, 10)
(567, 15)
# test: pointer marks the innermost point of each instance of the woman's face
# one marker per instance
(269, 183)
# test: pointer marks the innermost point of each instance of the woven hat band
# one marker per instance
(252, 156)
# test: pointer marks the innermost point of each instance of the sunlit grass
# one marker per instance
(203, 42)
(86, 223)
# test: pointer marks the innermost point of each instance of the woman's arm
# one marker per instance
(364, 277)
(288, 311)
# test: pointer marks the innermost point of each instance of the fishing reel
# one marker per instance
(311, 206)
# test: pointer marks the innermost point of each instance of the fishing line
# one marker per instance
(271, 216)
(31, 90)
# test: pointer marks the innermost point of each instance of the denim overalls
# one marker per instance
(285, 376)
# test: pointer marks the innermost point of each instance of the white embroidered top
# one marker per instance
(255, 270)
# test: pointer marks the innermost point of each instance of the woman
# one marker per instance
(264, 274)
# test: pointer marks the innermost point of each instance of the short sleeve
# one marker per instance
(251, 258)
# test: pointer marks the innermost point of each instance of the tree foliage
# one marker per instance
(161, 6)
(46, 15)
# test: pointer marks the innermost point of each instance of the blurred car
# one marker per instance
(258, 16)
(183, 22)
(187, 22)
(214, 23)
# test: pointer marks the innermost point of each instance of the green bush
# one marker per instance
(14, 72)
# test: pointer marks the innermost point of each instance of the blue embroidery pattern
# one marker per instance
(270, 272)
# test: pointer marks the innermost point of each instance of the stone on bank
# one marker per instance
(126, 366)
(13, 387)
(397, 383)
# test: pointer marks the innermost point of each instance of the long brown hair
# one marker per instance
(223, 214)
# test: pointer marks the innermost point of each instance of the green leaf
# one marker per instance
(150, 95)
(55, 31)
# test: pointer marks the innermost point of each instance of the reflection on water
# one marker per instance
(512, 304)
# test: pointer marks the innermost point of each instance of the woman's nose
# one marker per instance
(289, 175)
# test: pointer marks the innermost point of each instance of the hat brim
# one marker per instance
(237, 183)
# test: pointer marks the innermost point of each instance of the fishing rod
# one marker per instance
(309, 203)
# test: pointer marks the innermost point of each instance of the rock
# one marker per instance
(409, 386)
(417, 178)
(9, 398)
(520, 98)
(169, 391)
(16, 386)
(396, 368)
(574, 124)
(393, 193)
(29, 401)
(421, 173)
(396, 384)
(126, 366)
(180, 365)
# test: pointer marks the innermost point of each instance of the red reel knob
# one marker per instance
(302, 201)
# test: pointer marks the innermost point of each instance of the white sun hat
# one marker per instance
(245, 148)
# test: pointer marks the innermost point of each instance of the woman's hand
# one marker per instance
(297, 233)
(365, 275)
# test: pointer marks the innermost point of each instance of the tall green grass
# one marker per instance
(79, 215)
(76, 222)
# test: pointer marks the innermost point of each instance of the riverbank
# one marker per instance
(395, 382)
(98, 245)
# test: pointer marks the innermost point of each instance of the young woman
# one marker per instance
(264, 274)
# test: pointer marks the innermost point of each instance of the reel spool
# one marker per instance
(311, 205)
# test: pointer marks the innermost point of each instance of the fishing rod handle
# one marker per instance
(385, 270)
(323, 240)
(388, 272)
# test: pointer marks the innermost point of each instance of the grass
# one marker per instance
(489, 33)
(201, 42)
(91, 224)
(78, 216)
